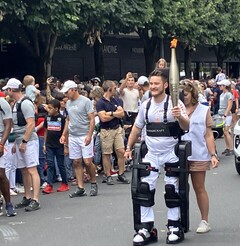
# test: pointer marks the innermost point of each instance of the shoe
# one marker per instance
(203, 227)
(225, 151)
(122, 178)
(48, 189)
(78, 193)
(43, 185)
(109, 180)
(10, 210)
(24, 203)
(229, 153)
(144, 237)
(19, 189)
(175, 235)
(12, 193)
(59, 178)
(34, 205)
(63, 187)
(113, 173)
(94, 190)
(1, 205)
(74, 182)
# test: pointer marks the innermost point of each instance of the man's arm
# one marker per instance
(30, 127)
(64, 139)
(104, 116)
(91, 124)
(119, 113)
(7, 129)
(123, 85)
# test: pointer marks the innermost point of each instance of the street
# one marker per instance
(106, 220)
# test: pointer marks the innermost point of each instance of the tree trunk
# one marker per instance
(150, 48)
(187, 62)
(98, 59)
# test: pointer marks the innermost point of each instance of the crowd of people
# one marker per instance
(73, 130)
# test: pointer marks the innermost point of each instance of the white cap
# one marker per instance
(225, 82)
(12, 84)
(142, 80)
(69, 84)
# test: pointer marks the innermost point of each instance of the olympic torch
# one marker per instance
(174, 74)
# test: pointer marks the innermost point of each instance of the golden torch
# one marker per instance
(174, 74)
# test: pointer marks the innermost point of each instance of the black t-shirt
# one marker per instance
(108, 106)
(54, 126)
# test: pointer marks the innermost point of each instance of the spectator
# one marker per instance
(77, 135)
(111, 134)
(26, 145)
(5, 128)
(54, 125)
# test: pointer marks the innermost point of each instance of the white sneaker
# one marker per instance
(43, 185)
(19, 189)
(203, 227)
(12, 193)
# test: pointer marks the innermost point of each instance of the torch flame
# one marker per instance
(173, 43)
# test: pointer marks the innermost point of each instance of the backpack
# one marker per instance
(20, 117)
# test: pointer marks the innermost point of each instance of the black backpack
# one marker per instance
(20, 117)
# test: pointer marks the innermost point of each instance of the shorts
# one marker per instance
(228, 120)
(3, 159)
(30, 157)
(111, 138)
(199, 166)
(78, 149)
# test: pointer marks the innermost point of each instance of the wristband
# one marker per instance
(112, 113)
(24, 141)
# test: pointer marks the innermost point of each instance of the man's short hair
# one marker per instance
(160, 73)
(107, 85)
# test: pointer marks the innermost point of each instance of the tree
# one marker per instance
(36, 25)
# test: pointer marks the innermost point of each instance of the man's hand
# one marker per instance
(22, 147)
(66, 150)
(128, 154)
(87, 140)
(14, 149)
(176, 111)
(62, 140)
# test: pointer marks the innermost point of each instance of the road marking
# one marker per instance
(9, 234)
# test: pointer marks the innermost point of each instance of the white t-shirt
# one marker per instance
(130, 100)
(158, 145)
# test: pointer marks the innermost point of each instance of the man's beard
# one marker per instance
(159, 93)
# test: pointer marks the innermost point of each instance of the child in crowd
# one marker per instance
(54, 125)
(31, 90)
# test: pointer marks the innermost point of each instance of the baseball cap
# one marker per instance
(69, 84)
(12, 84)
(225, 82)
(142, 80)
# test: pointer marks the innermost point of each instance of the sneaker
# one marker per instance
(109, 180)
(1, 205)
(34, 205)
(229, 153)
(225, 151)
(24, 203)
(94, 190)
(12, 193)
(10, 210)
(122, 178)
(19, 189)
(59, 178)
(63, 187)
(48, 189)
(43, 185)
(203, 227)
(113, 173)
(74, 182)
(78, 193)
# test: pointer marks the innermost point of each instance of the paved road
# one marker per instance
(106, 220)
